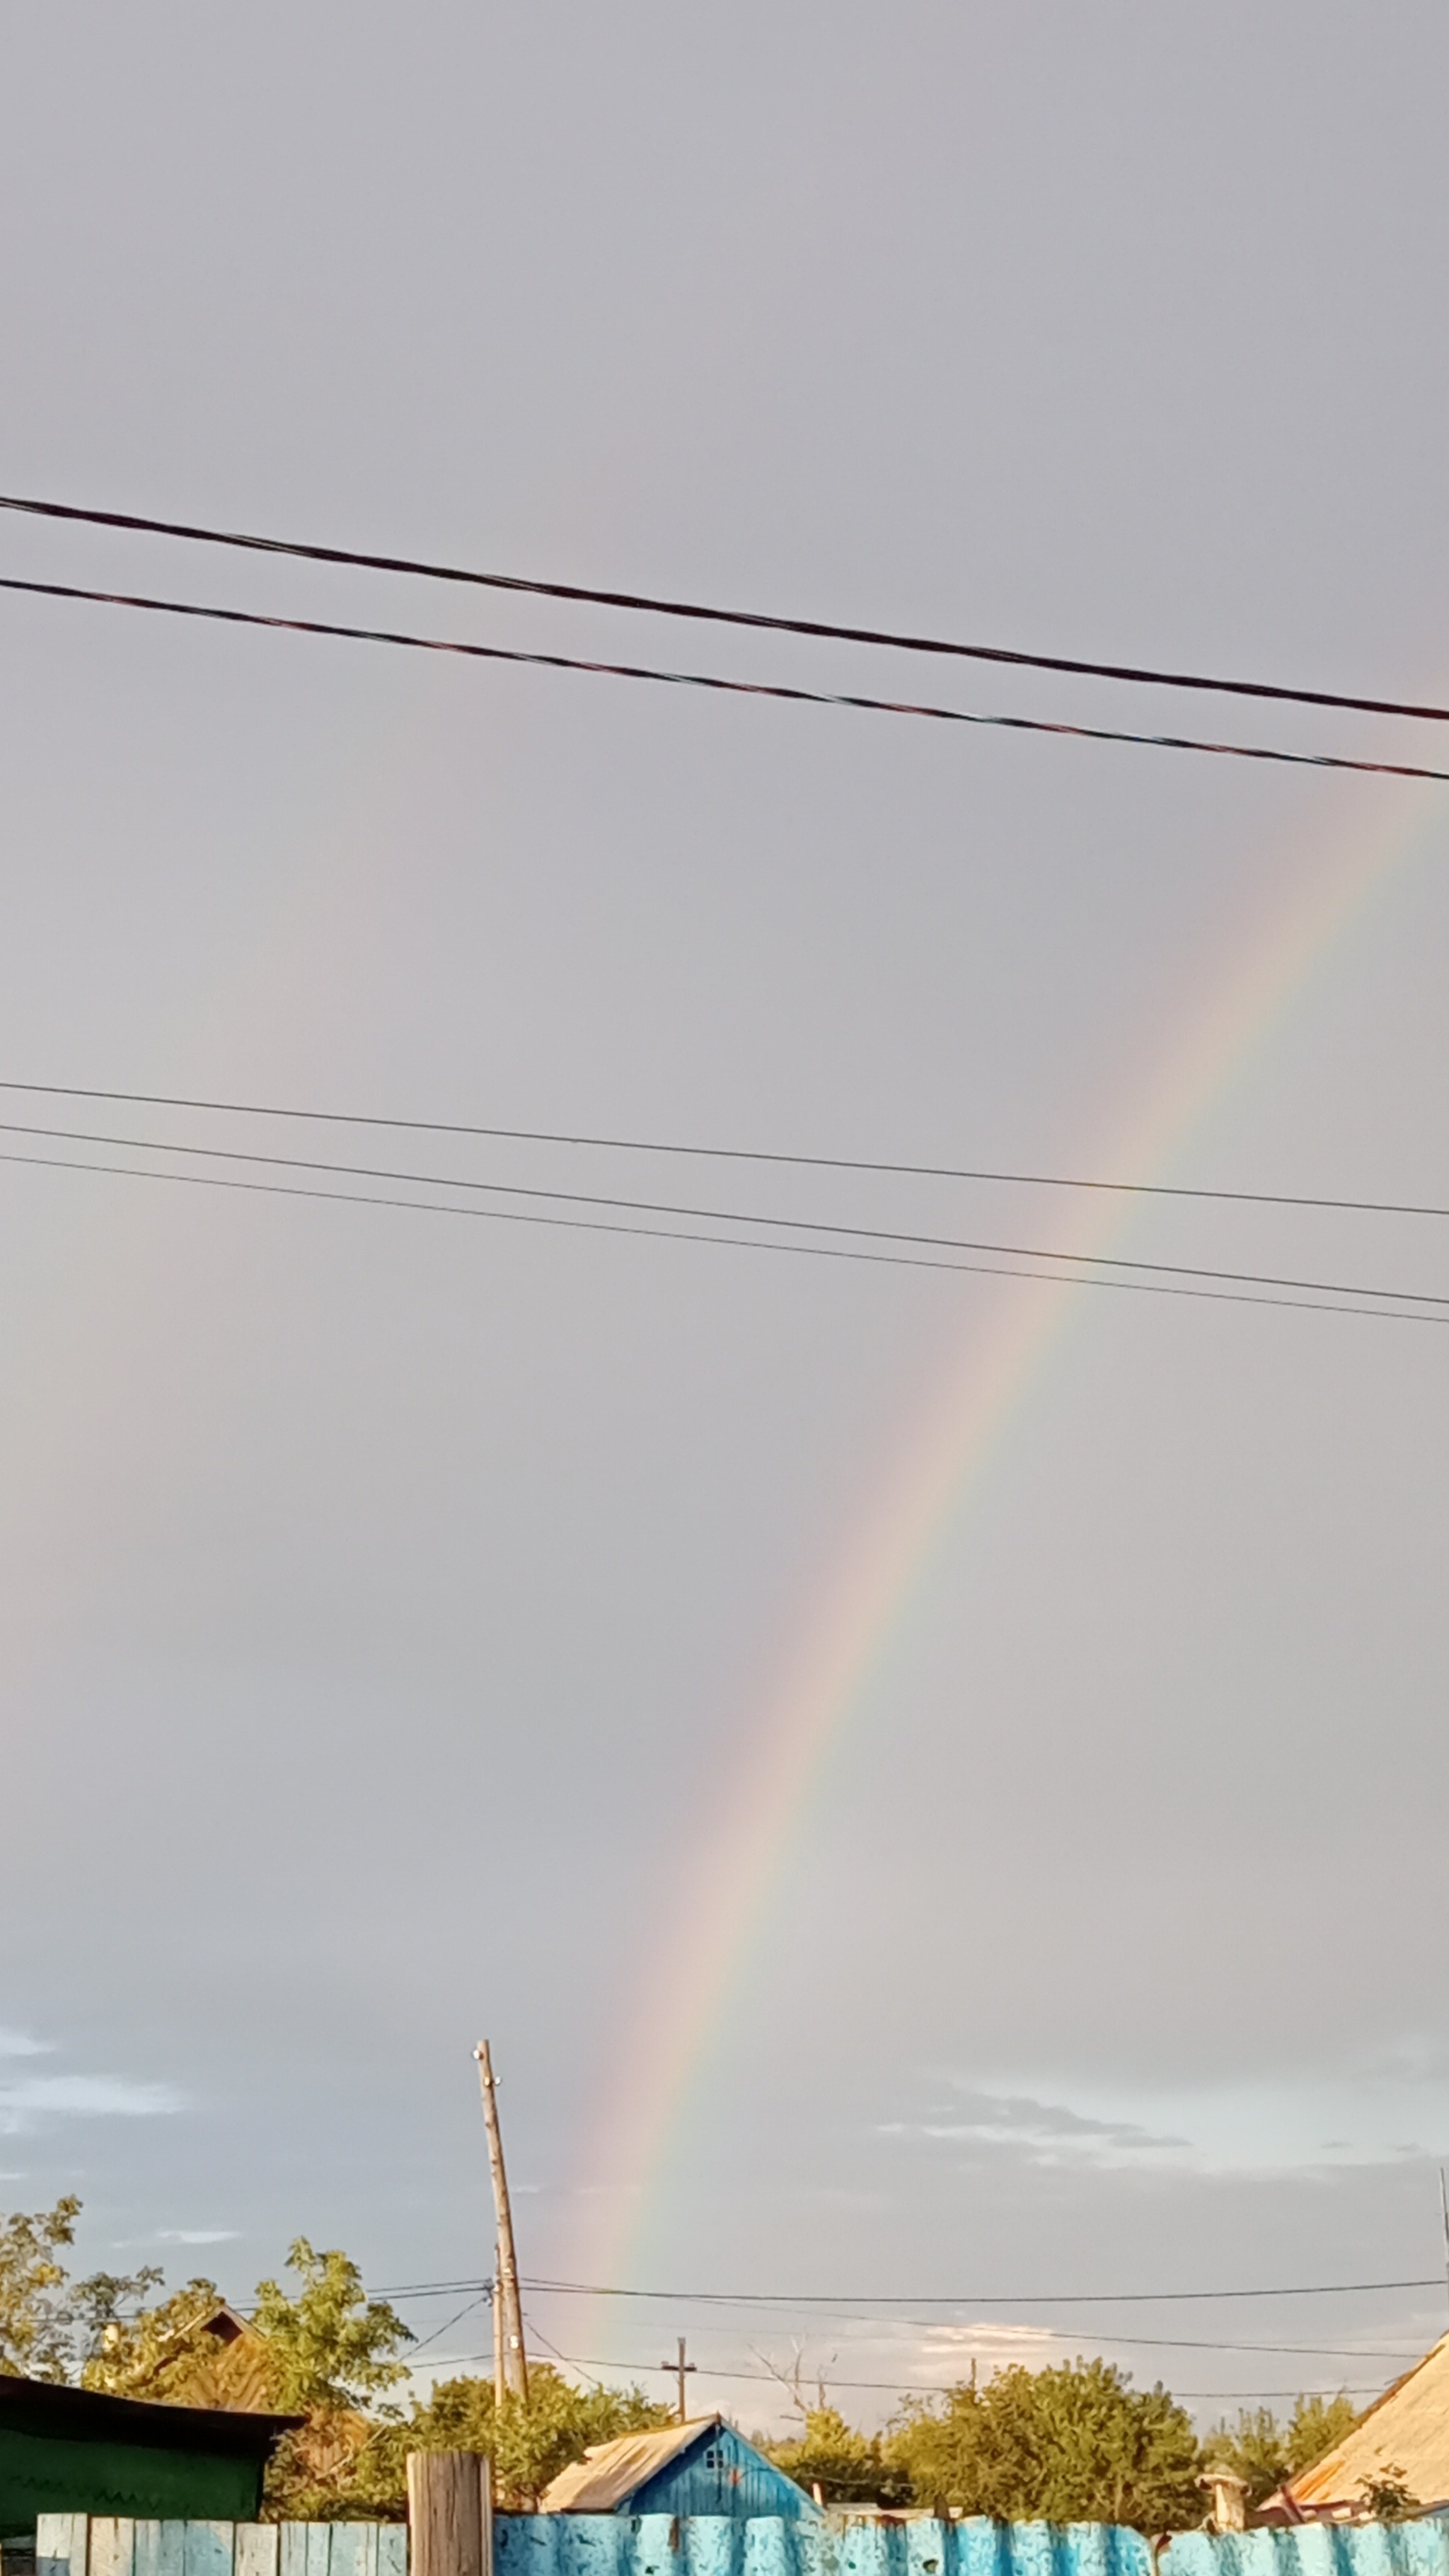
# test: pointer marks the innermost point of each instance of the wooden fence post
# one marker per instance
(450, 2514)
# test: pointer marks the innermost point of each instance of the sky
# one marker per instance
(933, 1787)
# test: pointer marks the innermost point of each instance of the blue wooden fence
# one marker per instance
(600, 2544)
(659, 2544)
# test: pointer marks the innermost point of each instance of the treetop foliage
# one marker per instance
(1072, 2443)
(1264, 2452)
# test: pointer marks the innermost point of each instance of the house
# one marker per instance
(71, 2450)
(701, 2467)
(1402, 2441)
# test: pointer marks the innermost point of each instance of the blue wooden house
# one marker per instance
(700, 2467)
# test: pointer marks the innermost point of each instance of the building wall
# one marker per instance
(43, 2473)
(722, 2475)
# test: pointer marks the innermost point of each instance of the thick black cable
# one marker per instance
(817, 628)
(725, 1153)
(814, 1226)
(737, 1242)
(729, 688)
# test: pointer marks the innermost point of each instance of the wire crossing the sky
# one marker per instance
(714, 681)
(1116, 1263)
(726, 1153)
(1322, 1298)
(652, 605)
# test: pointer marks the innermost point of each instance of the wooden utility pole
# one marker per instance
(510, 2361)
(680, 2370)
(496, 2304)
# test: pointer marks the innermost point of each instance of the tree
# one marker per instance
(332, 2345)
(528, 2439)
(330, 2352)
(51, 2326)
(845, 2465)
(1264, 2452)
(34, 2318)
(1318, 2424)
(154, 2352)
(1076, 2443)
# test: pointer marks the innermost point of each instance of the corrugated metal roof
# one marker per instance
(611, 2472)
(1405, 2431)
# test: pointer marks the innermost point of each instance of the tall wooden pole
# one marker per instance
(500, 2384)
(509, 2307)
(681, 2370)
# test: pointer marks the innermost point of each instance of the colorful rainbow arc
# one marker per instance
(870, 1596)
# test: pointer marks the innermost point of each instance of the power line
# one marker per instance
(730, 1153)
(893, 2387)
(729, 688)
(1329, 1300)
(804, 2299)
(845, 2316)
(818, 629)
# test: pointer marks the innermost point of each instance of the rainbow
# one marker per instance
(858, 1615)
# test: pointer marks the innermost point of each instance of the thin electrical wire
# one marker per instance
(815, 1226)
(436, 2337)
(875, 2299)
(677, 1234)
(726, 1153)
(889, 2387)
(729, 688)
(920, 2325)
(817, 628)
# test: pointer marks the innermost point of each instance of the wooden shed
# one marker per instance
(70, 2450)
(701, 2467)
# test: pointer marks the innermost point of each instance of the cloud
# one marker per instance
(86, 2097)
(18, 2043)
(1045, 2133)
(197, 2235)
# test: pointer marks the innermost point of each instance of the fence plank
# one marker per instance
(294, 2549)
(392, 2549)
(257, 2550)
(206, 2548)
(348, 2554)
(61, 2544)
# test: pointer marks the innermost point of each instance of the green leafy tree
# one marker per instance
(35, 2319)
(332, 2346)
(1264, 2452)
(331, 2353)
(51, 2326)
(1076, 2443)
(845, 2465)
(1318, 2424)
(529, 2439)
(136, 2351)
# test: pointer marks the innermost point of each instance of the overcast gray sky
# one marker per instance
(416, 1627)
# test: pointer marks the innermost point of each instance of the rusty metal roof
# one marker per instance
(613, 2471)
(1406, 2431)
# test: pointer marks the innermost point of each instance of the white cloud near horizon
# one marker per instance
(88, 2097)
(1393, 2111)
